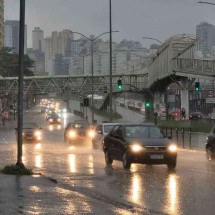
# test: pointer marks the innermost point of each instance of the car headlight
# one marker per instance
(172, 148)
(136, 148)
(91, 134)
(37, 133)
(72, 134)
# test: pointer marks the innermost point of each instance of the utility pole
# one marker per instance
(110, 98)
(20, 83)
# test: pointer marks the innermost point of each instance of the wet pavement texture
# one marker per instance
(86, 186)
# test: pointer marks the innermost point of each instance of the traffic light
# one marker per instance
(147, 104)
(197, 86)
(119, 84)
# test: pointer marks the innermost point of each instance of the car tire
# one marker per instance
(171, 164)
(126, 161)
(108, 158)
(209, 154)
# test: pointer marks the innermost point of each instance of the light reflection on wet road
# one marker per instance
(144, 189)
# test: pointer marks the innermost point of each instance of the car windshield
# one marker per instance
(81, 125)
(108, 128)
(142, 131)
(30, 125)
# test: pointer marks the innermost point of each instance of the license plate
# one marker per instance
(156, 156)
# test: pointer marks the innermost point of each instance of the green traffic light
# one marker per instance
(147, 104)
(120, 87)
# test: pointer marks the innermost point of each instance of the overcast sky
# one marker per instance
(133, 18)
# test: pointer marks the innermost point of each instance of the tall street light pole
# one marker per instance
(20, 83)
(110, 96)
(92, 68)
(151, 38)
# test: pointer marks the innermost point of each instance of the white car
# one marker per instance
(100, 132)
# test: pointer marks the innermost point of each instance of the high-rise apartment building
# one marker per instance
(1, 23)
(205, 34)
(38, 40)
(11, 35)
(57, 44)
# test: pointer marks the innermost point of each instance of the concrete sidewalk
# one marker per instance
(39, 195)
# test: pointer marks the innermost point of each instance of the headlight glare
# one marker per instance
(136, 148)
(38, 133)
(91, 134)
(72, 134)
(172, 148)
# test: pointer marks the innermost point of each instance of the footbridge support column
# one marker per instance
(158, 101)
(185, 96)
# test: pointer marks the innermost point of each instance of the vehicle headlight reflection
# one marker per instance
(173, 206)
(51, 127)
(172, 148)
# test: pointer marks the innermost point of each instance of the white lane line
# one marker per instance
(202, 171)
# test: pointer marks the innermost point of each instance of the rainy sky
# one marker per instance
(133, 18)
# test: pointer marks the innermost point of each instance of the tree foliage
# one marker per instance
(9, 63)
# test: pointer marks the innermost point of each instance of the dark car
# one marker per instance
(139, 143)
(195, 115)
(210, 145)
(31, 132)
(78, 131)
(54, 120)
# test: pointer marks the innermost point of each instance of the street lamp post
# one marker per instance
(151, 38)
(92, 72)
(20, 83)
(110, 96)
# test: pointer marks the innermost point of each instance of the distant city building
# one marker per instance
(129, 45)
(39, 61)
(11, 35)
(79, 46)
(205, 34)
(59, 44)
(1, 23)
(38, 40)
(61, 65)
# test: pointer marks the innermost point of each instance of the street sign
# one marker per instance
(210, 100)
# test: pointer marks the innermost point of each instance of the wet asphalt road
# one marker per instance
(144, 189)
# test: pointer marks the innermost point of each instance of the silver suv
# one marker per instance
(101, 131)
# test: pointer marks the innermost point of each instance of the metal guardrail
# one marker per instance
(195, 66)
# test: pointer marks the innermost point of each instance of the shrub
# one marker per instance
(16, 170)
